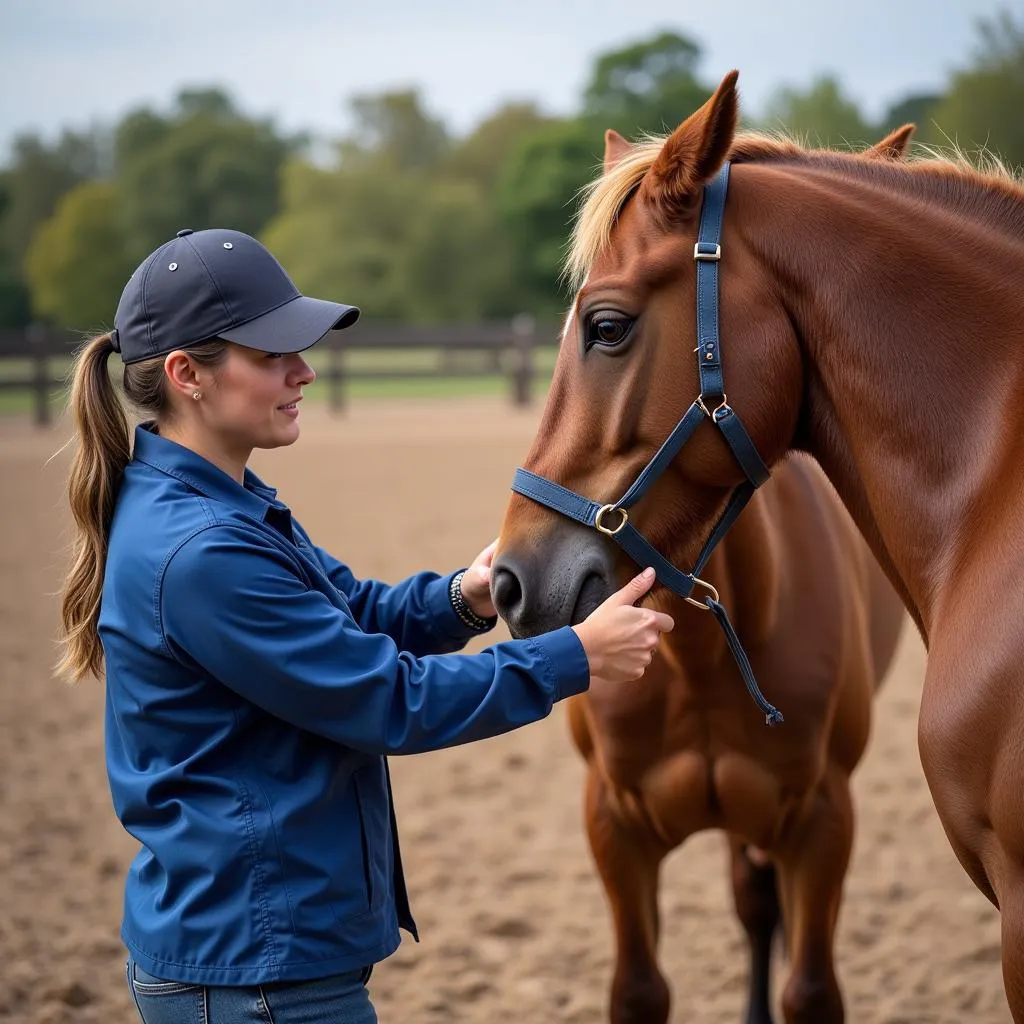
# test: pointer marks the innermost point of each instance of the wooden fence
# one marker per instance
(34, 360)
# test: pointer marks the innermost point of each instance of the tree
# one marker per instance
(455, 264)
(38, 175)
(917, 109)
(983, 104)
(76, 266)
(482, 154)
(536, 200)
(204, 166)
(648, 86)
(393, 127)
(15, 306)
(341, 233)
(822, 115)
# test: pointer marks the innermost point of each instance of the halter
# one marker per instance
(613, 519)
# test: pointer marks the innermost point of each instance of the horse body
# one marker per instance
(872, 316)
(819, 624)
(684, 750)
(915, 408)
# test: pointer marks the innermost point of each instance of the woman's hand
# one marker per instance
(619, 638)
(476, 583)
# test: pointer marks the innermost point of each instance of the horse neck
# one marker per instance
(910, 318)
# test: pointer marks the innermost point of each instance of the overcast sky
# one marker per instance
(70, 62)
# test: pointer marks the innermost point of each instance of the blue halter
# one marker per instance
(710, 404)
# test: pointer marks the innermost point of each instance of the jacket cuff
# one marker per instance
(568, 667)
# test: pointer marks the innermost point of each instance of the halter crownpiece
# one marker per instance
(613, 519)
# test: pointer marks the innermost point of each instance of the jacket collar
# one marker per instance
(254, 499)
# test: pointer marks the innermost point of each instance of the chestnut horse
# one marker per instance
(684, 750)
(872, 315)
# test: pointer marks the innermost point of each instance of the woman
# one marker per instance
(254, 686)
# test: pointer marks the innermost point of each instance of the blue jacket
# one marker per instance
(254, 688)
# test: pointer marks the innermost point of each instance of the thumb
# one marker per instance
(635, 588)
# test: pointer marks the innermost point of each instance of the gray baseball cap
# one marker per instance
(218, 284)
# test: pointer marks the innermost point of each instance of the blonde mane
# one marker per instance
(602, 200)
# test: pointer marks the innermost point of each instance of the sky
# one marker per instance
(71, 63)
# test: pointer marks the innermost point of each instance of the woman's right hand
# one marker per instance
(620, 639)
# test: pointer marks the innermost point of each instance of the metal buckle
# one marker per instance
(707, 586)
(713, 413)
(698, 255)
(610, 508)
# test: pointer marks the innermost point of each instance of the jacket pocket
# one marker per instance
(375, 828)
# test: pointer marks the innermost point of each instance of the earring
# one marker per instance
(197, 395)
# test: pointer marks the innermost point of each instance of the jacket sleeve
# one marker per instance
(416, 613)
(236, 607)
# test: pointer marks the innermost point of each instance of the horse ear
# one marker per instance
(695, 151)
(894, 146)
(615, 148)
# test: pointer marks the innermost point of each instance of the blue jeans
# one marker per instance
(339, 999)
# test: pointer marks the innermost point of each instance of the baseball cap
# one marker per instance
(218, 284)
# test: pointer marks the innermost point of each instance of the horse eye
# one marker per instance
(607, 330)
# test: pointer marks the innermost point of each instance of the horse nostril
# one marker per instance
(592, 592)
(506, 592)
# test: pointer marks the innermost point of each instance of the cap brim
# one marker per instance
(293, 327)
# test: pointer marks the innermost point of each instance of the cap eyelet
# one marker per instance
(172, 266)
(228, 245)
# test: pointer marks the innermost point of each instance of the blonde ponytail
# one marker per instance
(104, 450)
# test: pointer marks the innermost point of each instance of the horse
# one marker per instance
(871, 316)
(682, 751)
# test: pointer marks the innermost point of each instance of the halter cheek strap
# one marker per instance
(613, 519)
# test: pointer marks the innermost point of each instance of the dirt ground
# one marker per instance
(513, 920)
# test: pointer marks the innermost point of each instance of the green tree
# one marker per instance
(648, 86)
(917, 109)
(822, 115)
(455, 263)
(983, 103)
(536, 199)
(15, 306)
(393, 127)
(37, 176)
(482, 154)
(206, 165)
(76, 265)
(340, 233)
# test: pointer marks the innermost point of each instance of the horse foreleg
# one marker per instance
(812, 861)
(628, 861)
(971, 751)
(757, 906)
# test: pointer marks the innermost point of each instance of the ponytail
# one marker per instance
(103, 452)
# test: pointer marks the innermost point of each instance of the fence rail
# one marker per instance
(507, 348)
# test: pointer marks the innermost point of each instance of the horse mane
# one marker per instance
(603, 199)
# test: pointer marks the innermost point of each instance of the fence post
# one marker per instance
(37, 337)
(524, 337)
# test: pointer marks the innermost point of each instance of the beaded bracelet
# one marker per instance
(462, 609)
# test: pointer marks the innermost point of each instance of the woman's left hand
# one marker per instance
(476, 583)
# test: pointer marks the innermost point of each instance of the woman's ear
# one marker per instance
(181, 374)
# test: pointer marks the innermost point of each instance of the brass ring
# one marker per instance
(707, 586)
(610, 508)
